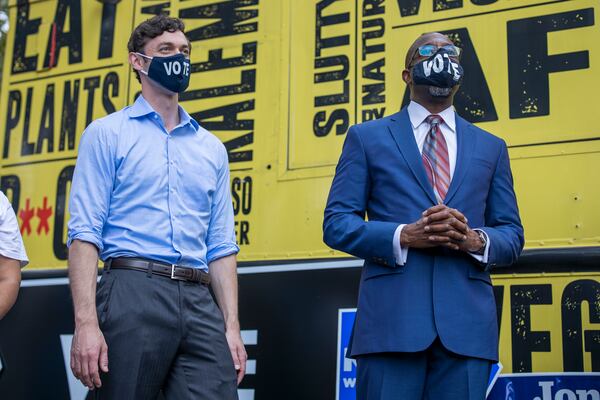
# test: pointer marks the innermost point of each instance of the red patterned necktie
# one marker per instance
(435, 158)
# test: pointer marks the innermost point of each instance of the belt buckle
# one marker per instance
(176, 278)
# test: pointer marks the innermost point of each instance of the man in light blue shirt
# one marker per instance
(150, 197)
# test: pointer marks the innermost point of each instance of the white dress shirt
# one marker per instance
(11, 243)
(418, 114)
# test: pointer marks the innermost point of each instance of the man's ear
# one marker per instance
(406, 77)
(136, 62)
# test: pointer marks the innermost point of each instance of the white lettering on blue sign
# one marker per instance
(346, 367)
(548, 386)
(565, 394)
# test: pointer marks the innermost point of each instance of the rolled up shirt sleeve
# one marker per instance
(91, 188)
(220, 238)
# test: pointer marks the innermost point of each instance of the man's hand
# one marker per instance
(223, 274)
(238, 352)
(414, 235)
(449, 226)
(441, 226)
(88, 351)
(88, 348)
(472, 244)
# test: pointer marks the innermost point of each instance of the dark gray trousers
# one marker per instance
(163, 336)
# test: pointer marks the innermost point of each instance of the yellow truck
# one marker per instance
(280, 82)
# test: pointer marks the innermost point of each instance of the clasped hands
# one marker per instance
(443, 226)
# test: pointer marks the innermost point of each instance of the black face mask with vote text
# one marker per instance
(438, 70)
(172, 73)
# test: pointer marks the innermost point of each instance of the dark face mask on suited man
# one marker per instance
(438, 70)
(172, 72)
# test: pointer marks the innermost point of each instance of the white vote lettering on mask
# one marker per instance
(173, 67)
(427, 67)
(168, 68)
(453, 68)
(438, 64)
(456, 75)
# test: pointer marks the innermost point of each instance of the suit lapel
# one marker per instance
(402, 132)
(465, 143)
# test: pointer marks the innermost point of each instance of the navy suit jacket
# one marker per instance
(438, 291)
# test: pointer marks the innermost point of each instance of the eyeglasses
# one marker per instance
(427, 50)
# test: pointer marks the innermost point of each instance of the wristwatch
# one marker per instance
(483, 239)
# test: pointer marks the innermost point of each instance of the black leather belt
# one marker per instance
(159, 268)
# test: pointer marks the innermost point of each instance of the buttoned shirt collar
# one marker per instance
(142, 108)
(417, 114)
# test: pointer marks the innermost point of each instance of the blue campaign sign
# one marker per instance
(547, 386)
(346, 367)
(494, 374)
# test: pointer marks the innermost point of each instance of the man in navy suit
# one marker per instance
(441, 213)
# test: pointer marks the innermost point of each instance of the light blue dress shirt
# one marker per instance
(140, 191)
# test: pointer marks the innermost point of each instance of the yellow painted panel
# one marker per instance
(45, 110)
(558, 192)
(547, 320)
(269, 79)
(321, 100)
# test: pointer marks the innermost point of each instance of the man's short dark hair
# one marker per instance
(150, 29)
